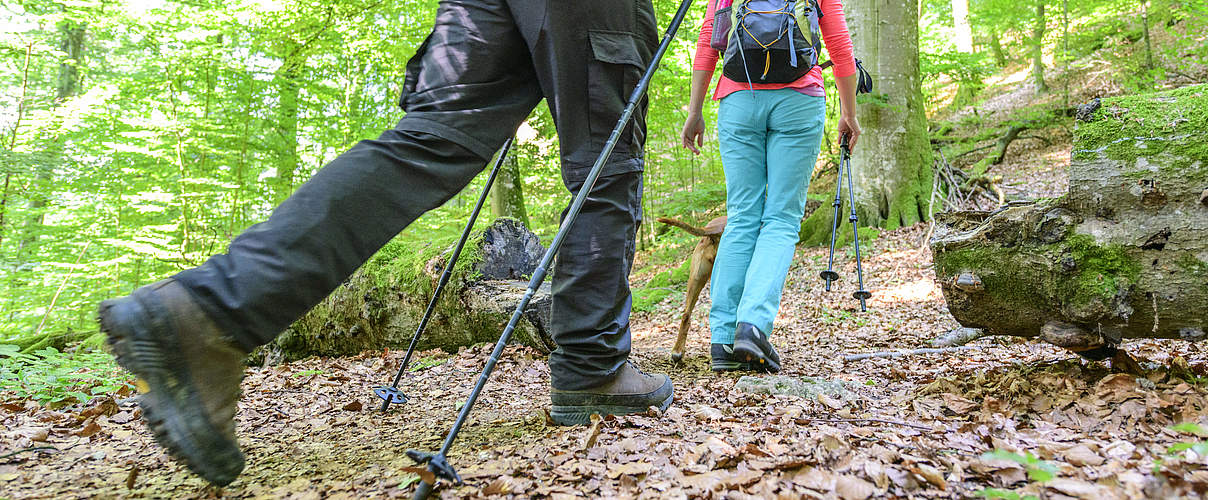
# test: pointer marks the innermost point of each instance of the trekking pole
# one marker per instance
(391, 394)
(845, 160)
(438, 463)
(829, 274)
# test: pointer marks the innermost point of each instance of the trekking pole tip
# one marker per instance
(863, 295)
(829, 276)
(422, 491)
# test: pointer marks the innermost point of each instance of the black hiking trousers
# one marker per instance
(478, 75)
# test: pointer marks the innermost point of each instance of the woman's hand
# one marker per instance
(850, 127)
(693, 135)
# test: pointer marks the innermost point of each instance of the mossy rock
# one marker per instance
(380, 306)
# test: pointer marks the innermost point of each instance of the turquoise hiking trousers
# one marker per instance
(770, 140)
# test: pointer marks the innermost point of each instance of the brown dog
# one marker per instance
(700, 271)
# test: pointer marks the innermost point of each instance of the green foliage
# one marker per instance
(425, 363)
(1005, 494)
(1200, 448)
(962, 68)
(1038, 471)
(49, 376)
(307, 373)
(139, 139)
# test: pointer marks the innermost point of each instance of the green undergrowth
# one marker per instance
(56, 340)
(662, 285)
(1039, 471)
(57, 378)
(1173, 123)
(816, 229)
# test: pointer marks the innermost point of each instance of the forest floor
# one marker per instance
(908, 426)
(916, 426)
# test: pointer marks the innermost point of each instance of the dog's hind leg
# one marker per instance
(699, 272)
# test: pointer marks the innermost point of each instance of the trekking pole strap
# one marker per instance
(863, 82)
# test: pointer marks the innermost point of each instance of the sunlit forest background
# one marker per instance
(138, 138)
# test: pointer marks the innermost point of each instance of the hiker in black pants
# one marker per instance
(481, 71)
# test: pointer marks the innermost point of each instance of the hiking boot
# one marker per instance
(724, 360)
(752, 346)
(632, 391)
(189, 373)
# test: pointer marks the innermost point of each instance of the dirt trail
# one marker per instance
(311, 429)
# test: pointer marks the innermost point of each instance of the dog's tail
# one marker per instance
(695, 231)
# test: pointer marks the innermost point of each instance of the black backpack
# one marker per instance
(769, 44)
(767, 41)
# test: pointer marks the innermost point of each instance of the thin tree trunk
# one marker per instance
(1038, 49)
(182, 189)
(507, 195)
(1145, 32)
(286, 147)
(12, 140)
(964, 31)
(1000, 55)
(4, 208)
(1065, 48)
(72, 44)
(964, 44)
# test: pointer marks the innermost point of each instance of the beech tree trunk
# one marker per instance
(285, 137)
(1123, 255)
(1038, 25)
(892, 162)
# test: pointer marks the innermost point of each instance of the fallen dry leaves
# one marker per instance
(916, 426)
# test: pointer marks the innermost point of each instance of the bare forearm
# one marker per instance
(696, 94)
(847, 94)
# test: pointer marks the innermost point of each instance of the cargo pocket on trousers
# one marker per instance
(411, 75)
(612, 74)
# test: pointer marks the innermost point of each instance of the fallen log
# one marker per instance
(1123, 255)
(380, 306)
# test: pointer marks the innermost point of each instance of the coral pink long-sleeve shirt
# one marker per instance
(834, 34)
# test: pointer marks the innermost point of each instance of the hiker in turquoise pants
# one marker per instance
(770, 136)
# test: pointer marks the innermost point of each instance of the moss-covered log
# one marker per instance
(1123, 255)
(380, 306)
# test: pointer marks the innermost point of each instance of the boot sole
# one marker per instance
(729, 366)
(581, 415)
(185, 433)
(749, 352)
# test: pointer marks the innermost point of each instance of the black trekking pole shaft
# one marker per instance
(424, 489)
(855, 233)
(448, 272)
(830, 275)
